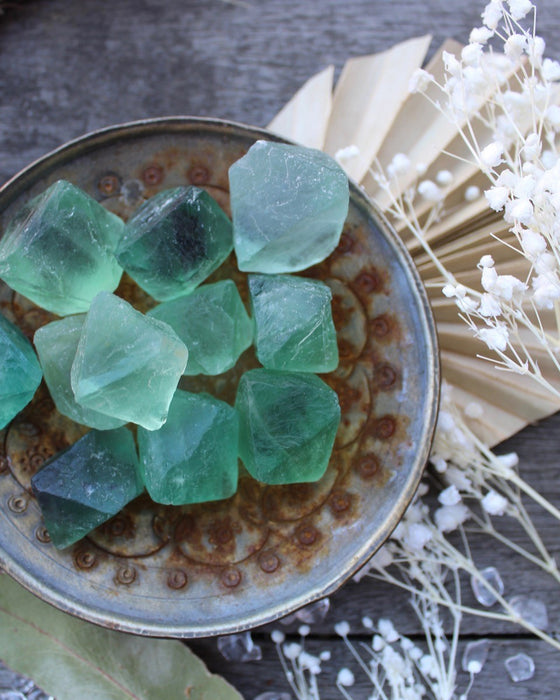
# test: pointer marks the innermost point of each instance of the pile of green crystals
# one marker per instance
(107, 365)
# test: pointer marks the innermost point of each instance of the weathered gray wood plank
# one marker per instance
(68, 68)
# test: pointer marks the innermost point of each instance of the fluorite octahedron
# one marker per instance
(193, 457)
(127, 365)
(20, 373)
(59, 249)
(56, 345)
(213, 324)
(175, 241)
(288, 206)
(294, 328)
(287, 425)
(86, 484)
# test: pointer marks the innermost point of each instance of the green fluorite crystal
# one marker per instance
(86, 484)
(58, 251)
(20, 373)
(56, 345)
(175, 241)
(193, 457)
(294, 329)
(288, 206)
(213, 324)
(287, 425)
(127, 365)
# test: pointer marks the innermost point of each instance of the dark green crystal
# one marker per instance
(86, 484)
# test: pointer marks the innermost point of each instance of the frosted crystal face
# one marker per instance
(127, 365)
(56, 345)
(193, 457)
(287, 425)
(288, 205)
(213, 324)
(85, 485)
(520, 667)
(59, 249)
(294, 328)
(175, 241)
(20, 372)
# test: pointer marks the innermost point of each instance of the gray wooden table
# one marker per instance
(69, 67)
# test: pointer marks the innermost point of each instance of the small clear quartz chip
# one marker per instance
(475, 655)
(239, 647)
(531, 610)
(520, 667)
(484, 595)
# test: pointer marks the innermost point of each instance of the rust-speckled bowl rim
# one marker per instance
(380, 532)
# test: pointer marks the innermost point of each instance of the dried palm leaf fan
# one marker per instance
(408, 123)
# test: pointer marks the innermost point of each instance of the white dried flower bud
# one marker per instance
(471, 54)
(304, 630)
(310, 662)
(509, 460)
(421, 168)
(520, 210)
(448, 291)
(488, 278)
(387, 630)
(495, 338)
(494, 503)
(452, 65)
(532, 148)
(292, 651)
(551, 69)
(535, 48)
(449, 518)
(439, 464)
(480, 35)
(419, 81)
(552, 116)
(497, 197)
(520, 8)
(342, 628)
(449, 496)
(347, 153)
(325, 655)
(457, 477)
(345, 677)
(533, 243)
(416, 538)
(489, 306)
(277, 636)
(399, 165)
(492, 15)
(444, 177)
(514, 46)
(491, 155)
(430, 191)
(367, 622)
(472, 193)
(486, 261)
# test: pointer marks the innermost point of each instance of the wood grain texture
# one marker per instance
(71, 67)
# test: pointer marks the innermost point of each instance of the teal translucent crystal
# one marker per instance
(56, 345)
(294, 328)
(287, 425)
(127, 365)
(213, 324)
(288, 206)
(175, 241)
(59, 249)
(193, 457)
(86, 484)
(20, 372)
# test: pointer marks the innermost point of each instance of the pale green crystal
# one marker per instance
(59, 249)
(127, 365)
(20, 373)
(287, 425)
(294, 329)
(175, 241)
(288, 206)
(193, 457)
(56, 345)
(213, 324)
(86, 484)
